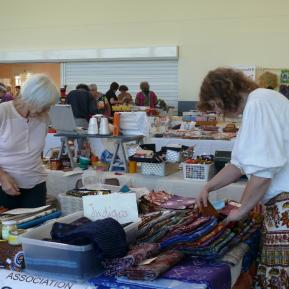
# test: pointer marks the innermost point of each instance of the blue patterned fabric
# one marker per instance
(192, 236)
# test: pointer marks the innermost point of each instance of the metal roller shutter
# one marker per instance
(161, 74)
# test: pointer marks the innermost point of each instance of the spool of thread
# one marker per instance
(132, 167)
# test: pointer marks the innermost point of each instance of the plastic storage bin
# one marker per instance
(198, 172)
(62, 260)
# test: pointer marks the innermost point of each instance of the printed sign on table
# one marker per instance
(119, 206)
(17, 280)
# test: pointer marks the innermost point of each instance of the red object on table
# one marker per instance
(51, 130)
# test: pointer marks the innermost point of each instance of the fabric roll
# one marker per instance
(155, 268)
(234, 256)
(135, 256)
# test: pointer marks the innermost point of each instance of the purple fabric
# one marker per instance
(214, 275)
(7, 97)
(178, 203)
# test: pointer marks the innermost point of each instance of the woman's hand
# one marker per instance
(202, 199)
(235, 215)
(8, 185)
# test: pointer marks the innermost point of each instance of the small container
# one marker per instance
(55, 164)
(132, 167)
(7, 228)
(14, 237)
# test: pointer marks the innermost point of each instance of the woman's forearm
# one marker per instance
(253, 193)
(226, 176)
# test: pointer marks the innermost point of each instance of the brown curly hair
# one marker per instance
(224, 86)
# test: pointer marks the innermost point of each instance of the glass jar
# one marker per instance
(14, 238)
(7, 227)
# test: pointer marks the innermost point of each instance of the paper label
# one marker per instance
(119, 206)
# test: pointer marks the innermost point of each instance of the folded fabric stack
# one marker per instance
(195, 235)
(29, 218)
(159, 227)
(182, 249)
(209, 239)
(155, 201)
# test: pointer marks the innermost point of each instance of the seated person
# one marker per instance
(124, 97)
(146, 97)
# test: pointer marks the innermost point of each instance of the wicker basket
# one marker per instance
(198, 172)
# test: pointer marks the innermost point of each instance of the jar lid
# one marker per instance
(9, 222)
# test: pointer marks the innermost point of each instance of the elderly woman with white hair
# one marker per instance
(23, 128)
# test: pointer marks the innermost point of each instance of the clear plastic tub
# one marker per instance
(64, 261)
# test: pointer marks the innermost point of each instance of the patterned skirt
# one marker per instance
(273, 270)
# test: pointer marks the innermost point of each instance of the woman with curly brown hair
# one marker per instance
(261, 151)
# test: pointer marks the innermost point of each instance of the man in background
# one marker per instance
(83, 104)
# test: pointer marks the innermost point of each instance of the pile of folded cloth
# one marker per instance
(31, 217)
(155, 201)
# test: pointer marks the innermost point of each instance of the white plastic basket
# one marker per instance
(178, 156)
(198, 172)
(71, 204)
(158, 169)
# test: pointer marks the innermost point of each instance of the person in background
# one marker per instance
(23, 128)
(101, 101)
(261, 151)
(124, 96)
(2, 92)
(146, 97)
(17, 90)
(8, 95)
(94, 92)
(111, 95)
(83, 104)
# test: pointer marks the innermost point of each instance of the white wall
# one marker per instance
(209, 33)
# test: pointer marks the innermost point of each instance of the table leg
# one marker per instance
(124, 157)
(61, 148)
(114, 157)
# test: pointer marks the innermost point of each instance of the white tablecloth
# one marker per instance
(59, 182)
(172, 184)
(201, 146)
(99, 145)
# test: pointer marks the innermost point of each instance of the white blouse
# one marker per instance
(262, 144)
(21, 145)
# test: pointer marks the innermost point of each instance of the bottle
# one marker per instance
(7, 227)
(116, 124)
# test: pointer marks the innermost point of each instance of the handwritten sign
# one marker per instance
(119, 206)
